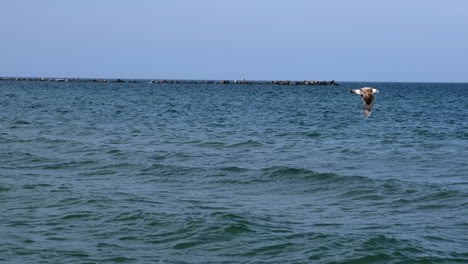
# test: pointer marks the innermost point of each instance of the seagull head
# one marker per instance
(375, 91)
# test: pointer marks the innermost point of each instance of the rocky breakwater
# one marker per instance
(305, 83)
(163, 81)
(96, 80)
(331, 83)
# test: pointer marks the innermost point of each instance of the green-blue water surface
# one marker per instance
(192, 173)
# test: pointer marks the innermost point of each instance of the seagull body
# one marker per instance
(367, 94)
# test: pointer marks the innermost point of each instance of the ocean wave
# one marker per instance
(211, 144)
(301, 179)
(234, 169)
(4, 189)
(384, 248)
(279, 173)
(22, 122)
(245, 144)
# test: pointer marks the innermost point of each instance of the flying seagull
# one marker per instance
(367, 94)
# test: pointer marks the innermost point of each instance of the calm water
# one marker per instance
(180, 173)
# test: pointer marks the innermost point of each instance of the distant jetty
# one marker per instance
(160, 81)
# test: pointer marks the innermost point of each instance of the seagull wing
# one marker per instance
(357, 91)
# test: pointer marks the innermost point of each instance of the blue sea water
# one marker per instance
(199, 173)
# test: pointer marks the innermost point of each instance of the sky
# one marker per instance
(342, 40)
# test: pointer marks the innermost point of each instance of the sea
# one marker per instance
(231, 173)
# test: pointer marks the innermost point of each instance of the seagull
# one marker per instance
(367, 94)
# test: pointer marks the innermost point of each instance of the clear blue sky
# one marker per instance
(359, 40)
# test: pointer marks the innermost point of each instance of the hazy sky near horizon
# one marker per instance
(361, 40)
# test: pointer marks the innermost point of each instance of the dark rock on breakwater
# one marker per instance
(305, 83)
(243, 81)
